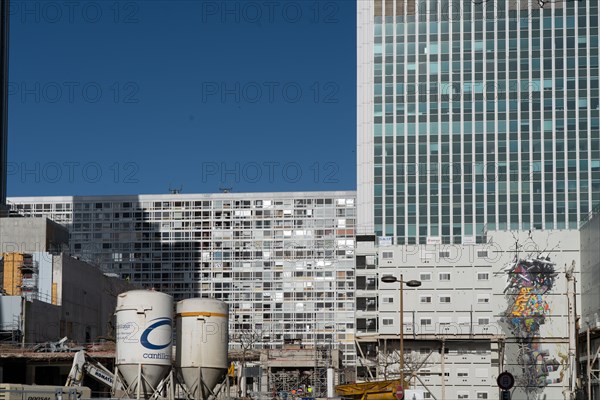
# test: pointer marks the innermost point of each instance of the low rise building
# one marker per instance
(480, 309)
(49, 300)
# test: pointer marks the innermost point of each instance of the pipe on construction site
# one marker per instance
(330, 383)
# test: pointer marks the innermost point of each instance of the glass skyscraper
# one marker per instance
(476, 116)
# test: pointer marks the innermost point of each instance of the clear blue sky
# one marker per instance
(141, 96)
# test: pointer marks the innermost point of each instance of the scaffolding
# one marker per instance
(298, 370)
(323, 361)
(286, 381)
(589, 363)
(427, 360)
(20, 275)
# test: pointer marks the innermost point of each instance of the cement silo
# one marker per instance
(202, 340)
(144, 339)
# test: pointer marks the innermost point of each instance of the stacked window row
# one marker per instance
(486, 123)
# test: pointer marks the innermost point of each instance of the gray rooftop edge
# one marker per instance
(186, 196)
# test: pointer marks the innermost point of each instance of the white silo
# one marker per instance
(144, 339)
(202, 342)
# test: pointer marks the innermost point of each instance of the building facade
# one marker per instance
(476, 116)
(46, 293)
(284, 262)
(478, 125)
(481, 309)
(590, 271)
(589, 335)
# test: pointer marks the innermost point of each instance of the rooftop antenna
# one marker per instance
(175, 190)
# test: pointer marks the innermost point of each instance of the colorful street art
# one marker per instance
(528, 282)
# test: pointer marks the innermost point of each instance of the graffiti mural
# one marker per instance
(528, 283)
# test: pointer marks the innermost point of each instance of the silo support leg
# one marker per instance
(200, 389)
(172, 388)
(139, 381)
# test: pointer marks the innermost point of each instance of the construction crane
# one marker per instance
(84, 366)
(377, 390)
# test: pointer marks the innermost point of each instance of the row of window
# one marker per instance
(446, 299)
(441, 24)
(187, 205)
(461, 395)
(463, 130)
(457, 238)
(444, 276)
(370, 324)
(442, 254)
(216, 215)
(428, 321)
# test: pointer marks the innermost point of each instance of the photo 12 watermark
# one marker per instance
(73, 172)
(270, 92)
(72, 92)
(74, 12)
(269, 12)
(269, 172)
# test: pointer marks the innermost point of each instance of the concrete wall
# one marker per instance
(42, 322)
(86, 300)
(30, 235)
(44, 284)
(590, 273)
(41, 319)
(87, 297)
(534, 312)
(590, 302)
(10, 312)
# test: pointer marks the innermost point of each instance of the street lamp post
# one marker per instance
(411, 283)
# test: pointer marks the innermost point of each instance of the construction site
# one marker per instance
(77, 302)
(60, 326)
(422, 284)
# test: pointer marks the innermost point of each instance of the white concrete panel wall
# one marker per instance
(462, 293)
(29, 235)
(364, 113)
(590, 269)
(44, 262)
(10, 311)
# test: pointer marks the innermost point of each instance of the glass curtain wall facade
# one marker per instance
(284, 262)
(485, 115)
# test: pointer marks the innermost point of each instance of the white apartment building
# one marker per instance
(284, 262)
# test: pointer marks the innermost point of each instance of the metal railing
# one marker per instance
(593, 212)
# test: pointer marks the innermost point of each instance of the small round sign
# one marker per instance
(505, 380)
(400, 392)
